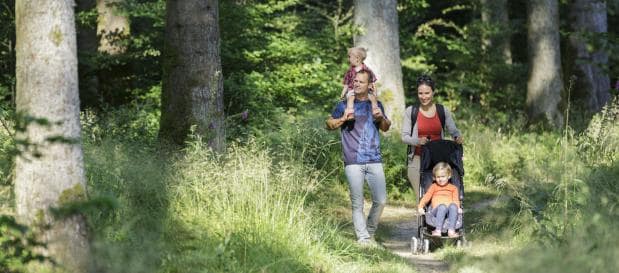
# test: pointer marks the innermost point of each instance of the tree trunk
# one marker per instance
(193, 82)
(47, 87)
(495, 17)
(87, 46)
(592, 83)
(379, 23)
(545, 85)
(112, 26)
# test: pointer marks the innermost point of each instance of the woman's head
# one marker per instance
(441, 173)
(356, 55)
(425, 90)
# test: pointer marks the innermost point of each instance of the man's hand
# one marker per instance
(459, 140)
(377, 114)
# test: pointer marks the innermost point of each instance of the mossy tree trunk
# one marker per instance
(378, 21)
(112, 26)
(47, 87)
(588, 20)
(545, 83)
(193, 82)
(495, 17)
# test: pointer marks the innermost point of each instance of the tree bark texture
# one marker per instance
(378, 21)
(592, 83)
(495, 16)
(193, 81)
(112, 26)
(47, 87)
(544, 85)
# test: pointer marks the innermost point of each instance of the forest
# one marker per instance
(191, 136)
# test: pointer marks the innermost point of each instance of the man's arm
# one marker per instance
(383, 123)
(334, 123)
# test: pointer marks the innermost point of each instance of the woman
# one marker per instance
(427, 125)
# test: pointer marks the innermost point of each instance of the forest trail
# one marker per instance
(401, 223)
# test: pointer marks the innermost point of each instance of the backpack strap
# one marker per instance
(440, 109)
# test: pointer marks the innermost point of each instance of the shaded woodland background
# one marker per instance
(253, 182)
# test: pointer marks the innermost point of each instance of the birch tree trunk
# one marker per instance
(545, 85)
(379, 23)
(592, 83)
(495, 16)
(112, 26)
(47, 87)
(193, 82)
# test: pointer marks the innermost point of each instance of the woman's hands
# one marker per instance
(421, 211)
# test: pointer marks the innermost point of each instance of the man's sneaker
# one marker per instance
(436, 233)
(367, 243)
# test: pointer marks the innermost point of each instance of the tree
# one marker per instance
(495, 18)
(544, 85)
(378, 21)
(47, 87)
(112, 25)
(192, 83)
(589, 17)
(87, 44)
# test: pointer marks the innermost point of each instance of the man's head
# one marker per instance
(362, 83)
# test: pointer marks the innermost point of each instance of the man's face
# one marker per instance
(361, 83)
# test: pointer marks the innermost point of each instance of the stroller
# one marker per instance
(432, 153)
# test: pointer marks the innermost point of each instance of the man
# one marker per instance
(362, 157)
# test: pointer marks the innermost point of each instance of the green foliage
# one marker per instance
(17, 246)
(7, 53)
(280, 54)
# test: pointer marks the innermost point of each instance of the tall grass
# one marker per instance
(562, 193)
(265, 205)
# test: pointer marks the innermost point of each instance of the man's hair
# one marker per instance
(365, 71)
(441, 166)
(358, 51)
(425, 80)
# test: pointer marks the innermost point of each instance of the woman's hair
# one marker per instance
(425, 80)
(359, 52)
(441, 166)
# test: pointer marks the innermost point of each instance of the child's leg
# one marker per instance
(440, 212)
(350, 103)
(373, 99)
(452, 215)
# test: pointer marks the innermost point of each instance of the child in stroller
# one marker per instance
(445, 201)
(446, 155)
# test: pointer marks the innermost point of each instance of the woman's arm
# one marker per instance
(450, 125)
(407, 138)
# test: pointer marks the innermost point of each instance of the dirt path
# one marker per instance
(402, 226)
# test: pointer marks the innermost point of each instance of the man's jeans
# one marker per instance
(441, 212)
(375, 176)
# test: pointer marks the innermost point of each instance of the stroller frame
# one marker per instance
(423, 242)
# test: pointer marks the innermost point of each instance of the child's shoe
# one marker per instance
(452, 233)
(436, 233)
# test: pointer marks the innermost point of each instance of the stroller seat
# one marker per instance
(432, 153)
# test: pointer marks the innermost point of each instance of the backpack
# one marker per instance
(440, 109)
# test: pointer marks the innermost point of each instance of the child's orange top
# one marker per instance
(440, 195)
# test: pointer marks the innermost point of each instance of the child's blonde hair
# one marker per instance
(441, 166)
(359, 52)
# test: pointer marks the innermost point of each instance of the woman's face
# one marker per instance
(425, 93)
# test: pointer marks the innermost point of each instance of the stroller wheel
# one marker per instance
(414, 245)
(426, 246)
